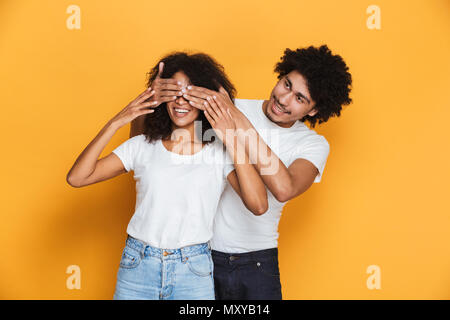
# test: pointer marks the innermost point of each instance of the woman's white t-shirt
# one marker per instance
(176, 195)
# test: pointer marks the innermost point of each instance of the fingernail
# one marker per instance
(183, 90)
(189, 87)
(149, 88)
(208, 98)
(214, 97)
(179, 83)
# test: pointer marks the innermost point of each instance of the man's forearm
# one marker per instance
(252, 189)
(273, 172)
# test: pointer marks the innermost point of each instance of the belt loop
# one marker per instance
(184, 258)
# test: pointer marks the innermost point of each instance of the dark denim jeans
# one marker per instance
(247, 276)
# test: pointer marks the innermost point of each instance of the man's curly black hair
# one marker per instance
(203, 71)
(327, 77)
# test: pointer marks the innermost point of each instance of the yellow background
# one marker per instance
(383, 199)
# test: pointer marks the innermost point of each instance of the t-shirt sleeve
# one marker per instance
(127, 152)
(316, 151)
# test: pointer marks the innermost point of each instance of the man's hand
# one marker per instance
(197, 96)
(220, 119)
(165, 90)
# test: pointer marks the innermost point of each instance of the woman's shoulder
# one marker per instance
(141, 143)
(140, 139)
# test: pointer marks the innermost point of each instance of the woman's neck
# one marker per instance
(186, 133)
(184, 138)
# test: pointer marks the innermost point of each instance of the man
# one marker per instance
(313, 86)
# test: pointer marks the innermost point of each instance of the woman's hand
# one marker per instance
(220, 119)
(135, 108)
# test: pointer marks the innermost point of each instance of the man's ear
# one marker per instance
(313, 112)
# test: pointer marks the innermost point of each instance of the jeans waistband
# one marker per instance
(252, 254)
(168, 254)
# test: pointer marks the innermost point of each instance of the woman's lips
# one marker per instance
(182, 112)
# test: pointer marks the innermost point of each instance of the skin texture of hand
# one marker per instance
(220, 119)
(165, 89)
(284, 183)
(199, 97)
(135, 108)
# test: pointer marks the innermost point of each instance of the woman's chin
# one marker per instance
(182, 122)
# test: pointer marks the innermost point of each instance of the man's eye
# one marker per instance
(286, 84)
(299, 99)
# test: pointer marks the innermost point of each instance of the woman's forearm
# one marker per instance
(253, 191)
(85, 163)
(137, 126)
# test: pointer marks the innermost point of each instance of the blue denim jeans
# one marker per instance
(149, 273)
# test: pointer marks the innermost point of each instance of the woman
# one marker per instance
(179, 180)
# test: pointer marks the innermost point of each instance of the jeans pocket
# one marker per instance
(130, 258)
(268, 266)
(200, 265)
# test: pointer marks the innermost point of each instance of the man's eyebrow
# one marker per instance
(299, 94)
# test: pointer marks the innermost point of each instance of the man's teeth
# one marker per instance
(278, 108)
(181, 110)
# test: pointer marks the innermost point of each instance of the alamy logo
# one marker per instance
(74, 20)
(374, 20)
(374, 280)
(74, 280)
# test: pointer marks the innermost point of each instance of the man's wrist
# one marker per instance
(240, 120)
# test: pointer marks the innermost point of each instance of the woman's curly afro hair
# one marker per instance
(203, 71)
(327, 77)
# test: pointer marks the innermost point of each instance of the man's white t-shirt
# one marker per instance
(236, 229)
(176, 195)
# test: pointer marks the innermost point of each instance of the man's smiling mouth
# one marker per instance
(276, 107)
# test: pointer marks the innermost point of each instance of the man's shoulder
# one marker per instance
(247, 104)
(312, 138)
(301, 134)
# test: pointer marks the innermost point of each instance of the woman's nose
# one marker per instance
(180, 100)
